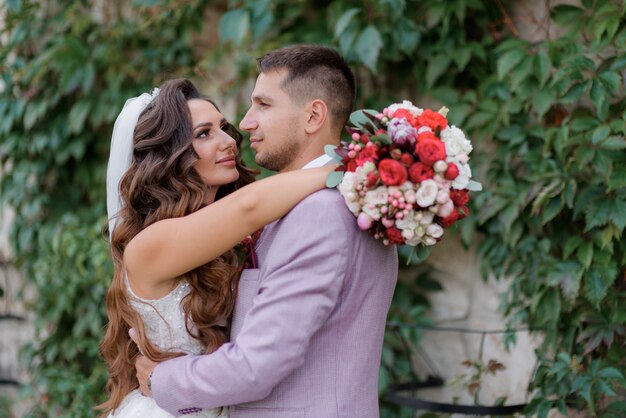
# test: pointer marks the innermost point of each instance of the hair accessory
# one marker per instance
(147, 99)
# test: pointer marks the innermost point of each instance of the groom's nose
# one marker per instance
(248, 123)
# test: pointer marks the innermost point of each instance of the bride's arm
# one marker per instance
(171, 247)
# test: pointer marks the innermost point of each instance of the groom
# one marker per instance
(308, 326)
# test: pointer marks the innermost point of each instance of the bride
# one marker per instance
(179, 199)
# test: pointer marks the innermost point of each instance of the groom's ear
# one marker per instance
(316, 115)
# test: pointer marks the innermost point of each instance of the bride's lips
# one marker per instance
(227, 161)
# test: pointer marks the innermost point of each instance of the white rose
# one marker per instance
(429, 240)
(434, 230)
(408, 223)
(348, 183)
(426, 193)
(427, 217)
(455, 140)
(378, 196)
(415, 111)
(354, 207)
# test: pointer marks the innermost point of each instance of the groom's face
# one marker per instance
(274, 122)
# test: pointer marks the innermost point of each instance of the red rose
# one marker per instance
(405, 114)
(452, 171)
(365, 138)
(432, 119)
(419, 172)
(366, 154)
(372, 178)
(406, 159)
(392, 173)
(427, 135)
(394, 235)
(430, 151)
(449, 220)
(351, 165)
(459, 197)
(457, 214)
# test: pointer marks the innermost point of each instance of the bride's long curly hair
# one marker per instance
(162, 183)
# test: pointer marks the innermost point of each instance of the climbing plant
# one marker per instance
(546, 116)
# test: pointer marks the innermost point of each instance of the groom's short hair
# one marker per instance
(315, 72)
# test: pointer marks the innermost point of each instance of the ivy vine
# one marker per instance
(547, 119)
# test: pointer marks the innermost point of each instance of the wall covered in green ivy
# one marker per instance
(546, 116)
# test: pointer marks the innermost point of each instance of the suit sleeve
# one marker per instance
(296, 296)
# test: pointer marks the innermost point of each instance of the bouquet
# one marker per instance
(404, 173)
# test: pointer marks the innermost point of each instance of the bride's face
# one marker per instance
(216, 149)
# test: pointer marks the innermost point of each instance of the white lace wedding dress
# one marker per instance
(164, 323)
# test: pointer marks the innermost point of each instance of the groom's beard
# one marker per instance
(281, 154)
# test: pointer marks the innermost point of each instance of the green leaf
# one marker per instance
(570, 245)
(368, 47)
(597, 95)
(331, 151)
(574, 93)
(234, 26)
(583, 123)
(360, 119)
(585, 254)
(543, 100)
(77, 116)
(617, 179)
(612, 81)
(509, 60)
(611, 373)
(597, 283)
(600, 134)
(613, 143)
(407, 36)
(552, 210)
(334, 179)
(543, 65)
(437, 65)
(344, 20)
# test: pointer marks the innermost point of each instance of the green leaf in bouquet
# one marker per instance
(331, 151)
(474, 186)
(334, 179)
(362, 119)
(418, 254)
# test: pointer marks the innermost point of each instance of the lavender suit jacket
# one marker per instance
(308, 325)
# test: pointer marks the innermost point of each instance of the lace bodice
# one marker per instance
(164, 320)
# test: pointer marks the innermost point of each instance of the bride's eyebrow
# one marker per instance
(203, 125)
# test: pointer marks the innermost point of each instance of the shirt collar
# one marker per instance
(319, 161)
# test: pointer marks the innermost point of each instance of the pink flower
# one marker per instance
(364, 221)
(401, 132)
